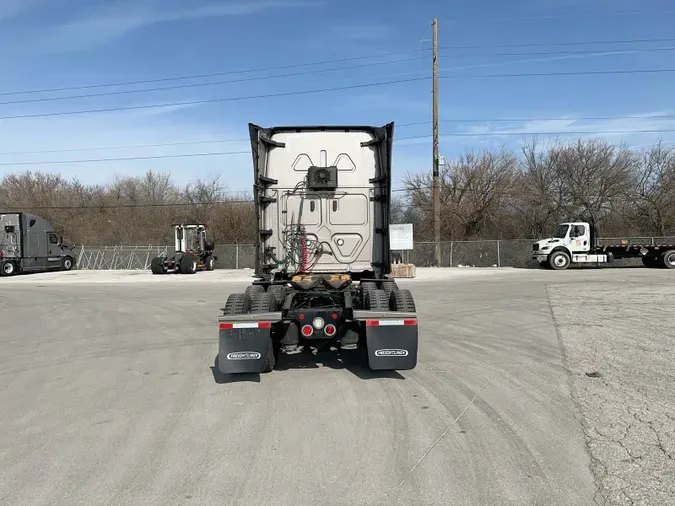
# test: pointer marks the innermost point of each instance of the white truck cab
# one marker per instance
(571, 242)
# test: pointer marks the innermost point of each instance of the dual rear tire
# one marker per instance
(256, 300)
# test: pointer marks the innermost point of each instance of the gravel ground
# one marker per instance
(618, 338)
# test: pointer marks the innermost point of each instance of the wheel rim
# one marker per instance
(8, 268)
(66, 263)
(560, 261)
(670, 259)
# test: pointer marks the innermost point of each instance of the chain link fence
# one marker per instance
(492, 253)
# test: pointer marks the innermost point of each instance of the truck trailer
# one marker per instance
(576, 243)
(322, 260)
(29, 243)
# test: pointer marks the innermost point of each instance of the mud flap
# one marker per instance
(243, 346)
(392, 343)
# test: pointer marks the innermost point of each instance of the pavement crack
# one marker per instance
(438, 439)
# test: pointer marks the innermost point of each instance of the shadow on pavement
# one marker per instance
(355, 362)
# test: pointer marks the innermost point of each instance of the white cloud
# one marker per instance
(110, 21)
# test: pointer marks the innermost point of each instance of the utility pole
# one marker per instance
(436, 190)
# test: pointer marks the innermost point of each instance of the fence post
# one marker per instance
(79, 257)
(236, 257)
(451, 243)
(499, 258)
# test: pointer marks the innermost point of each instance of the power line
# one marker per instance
(215, 100)
(595, 132)
(402, 125)
(548, 74)
(324, 62)
(197, 85)
(575, 16)
(128, 159)
(212, 74)
(417, 137)
(554, 53)
(327, 90)
(313, 72)
(561, 44)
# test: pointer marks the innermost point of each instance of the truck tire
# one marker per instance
(366, 288)
(66, 263)
(377, 300)
(210, 263)
(252, 290)
(238, 303)
(559, 260)
(389, 287)
(265, 302)
(188, 264)
(279, 292)
(157, 265)
(668, 259)
(402, 300)
(8, 268)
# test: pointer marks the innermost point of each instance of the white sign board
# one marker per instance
(401, 236)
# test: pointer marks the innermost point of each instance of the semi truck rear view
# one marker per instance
(322, 267)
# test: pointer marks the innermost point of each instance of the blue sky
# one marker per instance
(46, 44)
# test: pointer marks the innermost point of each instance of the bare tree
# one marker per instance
(652, 193)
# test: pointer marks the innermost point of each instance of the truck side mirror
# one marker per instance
(60, 240)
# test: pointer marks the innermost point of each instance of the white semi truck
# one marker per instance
(576, 243)
(323, 264)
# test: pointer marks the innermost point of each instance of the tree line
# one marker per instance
(484, 194)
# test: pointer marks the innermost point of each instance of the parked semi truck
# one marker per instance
(576, 243)
(322, 259)
(29, 243)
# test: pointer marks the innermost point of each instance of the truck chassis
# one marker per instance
(270, 318)
(652, 255)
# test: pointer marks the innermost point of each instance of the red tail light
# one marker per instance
(330, 330)
(307, 330)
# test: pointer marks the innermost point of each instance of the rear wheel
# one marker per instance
(188, 264)
(266, 303)
(157, 265)
(237, 303)
(389, 287)
(402, 300)
(668, 259)
(252, 290)
(377, 300)
(210, 264)
(279, 292)
(559, 260)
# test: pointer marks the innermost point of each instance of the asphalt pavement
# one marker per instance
(109, 395)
